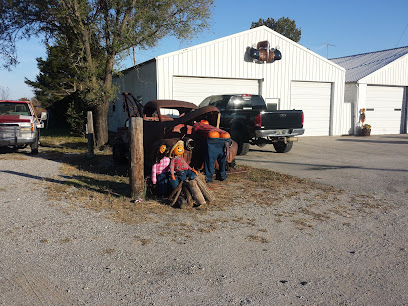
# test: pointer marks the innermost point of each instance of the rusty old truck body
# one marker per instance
(166, 121)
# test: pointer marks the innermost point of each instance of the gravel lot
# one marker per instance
(311, 248)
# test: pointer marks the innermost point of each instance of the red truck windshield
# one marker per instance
(12, 108)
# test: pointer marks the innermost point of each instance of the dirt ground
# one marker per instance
(287, 241)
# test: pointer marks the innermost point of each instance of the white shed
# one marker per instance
(302, 79)
(377, 82)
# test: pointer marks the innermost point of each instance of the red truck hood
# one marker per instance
(14, 118)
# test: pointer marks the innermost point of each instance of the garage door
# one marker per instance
(195, 90)
(314, 99)
(384, 105)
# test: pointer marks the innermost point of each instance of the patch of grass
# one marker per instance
(101, 185)
(302, 224)
(13, 156)
(257, 238)
(142, 241)
(65, 240)
(53, 132)
(315, 215)
(108, 251)
(63, 144)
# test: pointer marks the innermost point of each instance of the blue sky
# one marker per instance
(352, 26)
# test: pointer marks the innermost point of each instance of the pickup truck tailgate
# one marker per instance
(282, 119)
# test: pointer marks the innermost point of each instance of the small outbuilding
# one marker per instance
(376, 84)
(302, 79)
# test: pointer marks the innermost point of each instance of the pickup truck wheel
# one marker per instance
(34, 146)
(243, 147)
(237, 136)
(282, 147)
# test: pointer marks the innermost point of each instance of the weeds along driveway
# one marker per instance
(375, 164)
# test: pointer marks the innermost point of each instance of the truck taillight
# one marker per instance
(258, 120)
(32, 127)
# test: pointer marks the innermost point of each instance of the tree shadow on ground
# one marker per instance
(100, 173)
(116, 189)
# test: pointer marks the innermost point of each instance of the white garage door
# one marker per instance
(195, 90)
(314, 99)
(384, 105)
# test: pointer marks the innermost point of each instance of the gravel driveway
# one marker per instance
(341, 248)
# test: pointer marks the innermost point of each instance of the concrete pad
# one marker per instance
(373, 164)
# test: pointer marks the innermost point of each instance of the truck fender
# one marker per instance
(238, 128)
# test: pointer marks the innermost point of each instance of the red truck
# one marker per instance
(19, 125)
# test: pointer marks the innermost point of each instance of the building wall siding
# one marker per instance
(227, 58)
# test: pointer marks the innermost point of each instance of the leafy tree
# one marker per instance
(283, 25)
(100, 30)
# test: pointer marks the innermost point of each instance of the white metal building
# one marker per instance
(377, 82)
(302, 79)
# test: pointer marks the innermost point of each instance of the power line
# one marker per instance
(402, 35)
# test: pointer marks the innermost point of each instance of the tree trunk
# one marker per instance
(101, 123)
(102, 110)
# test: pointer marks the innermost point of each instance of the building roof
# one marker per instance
(361, 65)
(246, 32)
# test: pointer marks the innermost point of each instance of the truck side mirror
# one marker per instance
(44, 116)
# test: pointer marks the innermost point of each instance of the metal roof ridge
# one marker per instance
(372, 52)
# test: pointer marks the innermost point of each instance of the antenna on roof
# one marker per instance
(327, 48)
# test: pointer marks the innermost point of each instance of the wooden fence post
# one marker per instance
(90, 134)
(136, 175)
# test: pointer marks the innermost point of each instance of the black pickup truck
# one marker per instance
(246, 118)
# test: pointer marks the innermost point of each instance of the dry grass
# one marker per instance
(257, 238)
(13, 156)
(65, 240)
(108, 251)
(103, 186)
(63, 144)
(99, 185)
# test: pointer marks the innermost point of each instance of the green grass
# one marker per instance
(56, 132)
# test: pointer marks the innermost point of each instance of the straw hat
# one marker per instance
(178, 143)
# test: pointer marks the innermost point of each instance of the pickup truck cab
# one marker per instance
(246, 118)
(19, 125)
